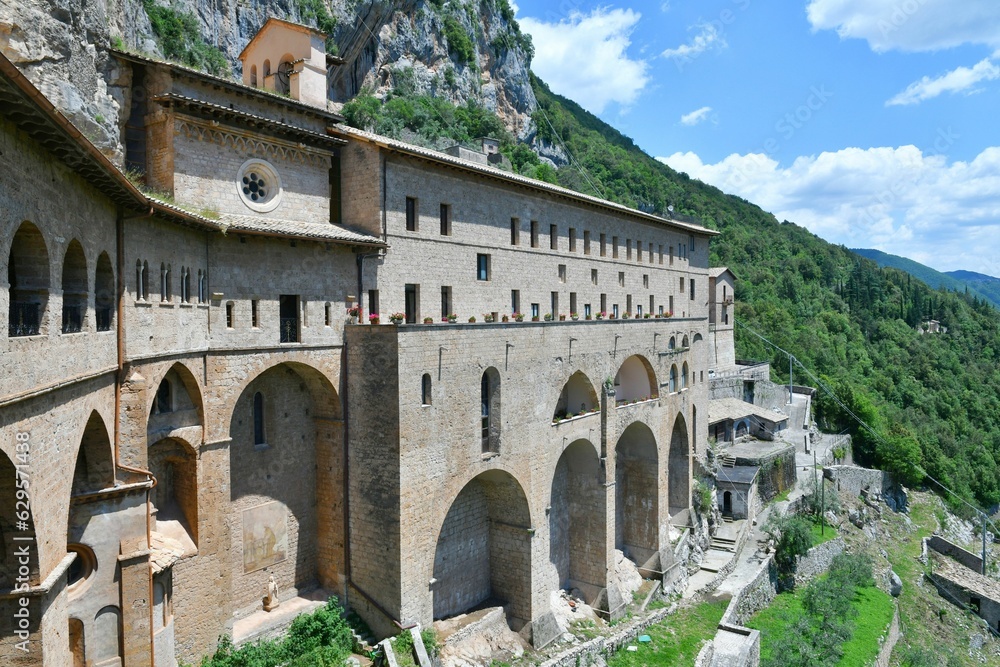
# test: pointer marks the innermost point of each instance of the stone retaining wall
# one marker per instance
(948, 548)
(817, 560)
(588, 652)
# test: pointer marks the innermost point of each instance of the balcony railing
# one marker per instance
(289, 329)
(25, 319)
(72, 319)
(104, 318)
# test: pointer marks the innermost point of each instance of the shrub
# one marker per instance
(459, 44)
(179, 38)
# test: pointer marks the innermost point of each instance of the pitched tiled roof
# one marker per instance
(733, 408)
(493, 172)
(295, 229)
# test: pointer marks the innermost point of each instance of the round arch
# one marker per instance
(74, 288)
(104, 293)
(95, 467)
(635, 380)
(10, 568)
(28, 276)
(176, 402)
(577, 523)
(637, 516)
(577, 397)
(679, 467)
(483, 548)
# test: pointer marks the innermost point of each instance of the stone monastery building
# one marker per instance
(191, 412)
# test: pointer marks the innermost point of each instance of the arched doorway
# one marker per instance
(282, 525)
(577, 524)
(483, 550)
(637, 494)
(679, 468)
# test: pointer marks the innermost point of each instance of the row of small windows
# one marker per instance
(166, 283)
(289, 321)
(28, 279)
(652, 252)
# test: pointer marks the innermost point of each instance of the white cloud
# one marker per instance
(910, 25)
(708, 37)
(585, 57)
(960, 79)
(899, 200)
(696, 116)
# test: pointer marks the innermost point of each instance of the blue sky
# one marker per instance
(874, 123)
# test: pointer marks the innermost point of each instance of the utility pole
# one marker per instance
(984, 542)
(791, 358)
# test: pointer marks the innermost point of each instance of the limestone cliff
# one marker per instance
(460, 50)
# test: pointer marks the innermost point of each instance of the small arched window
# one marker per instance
(684, 342)
(164, 282)
(684, 376)
(258, 419)
(202, 286)
(673, 343)
(253, 75)
(145, 281)
(673, 379)
(425, 389)
(139, 280)
(185, 284)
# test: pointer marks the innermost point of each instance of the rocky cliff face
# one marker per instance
(460, 50)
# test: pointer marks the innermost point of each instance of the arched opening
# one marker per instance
(577, 521)
(283, 526)
(105, 638)
(104, 293)
(684, 342)
(684, 375)
(74, 288)
(697, 338)
(673, 343)
(742, 429)
(164, 282)
(176, 404)
(175, 497)
(77, 647)
(727, 503)
(253, 75)
(95, 468)
(673, 378)
(425, 389)
(28, 277)
(489, 394)
(578, 397)
(283, 75)
(637, 515)
(679, 468)
(11, 525)
(635, 381)
(483, 550)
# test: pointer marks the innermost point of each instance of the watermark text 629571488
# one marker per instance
(24, 537)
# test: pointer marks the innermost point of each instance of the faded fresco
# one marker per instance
(265, 536)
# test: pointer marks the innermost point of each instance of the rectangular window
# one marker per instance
(628, 304)
(638, 251)
(586, 310)
(335, 207)
(373, 301)
(661, 308)
(288, 317)
(645, 280)
(671, 255)
(230, 314)
(515, 231)
(534, 233)
(534, 311)
(628, 249)
(614, 310)
(638, 309)
(651, 304)
(691, 243)
(411, 214)
(671, 304)
(614, 247)
(604, 245)
(691, 289)
(586, 242)
(572, 240)
(650, 246)
(661, 253)
(445, 220)
(593, 276)
(482, 267)
(682, 284)
(254, 313)
(621, 279)
(445, 302)
(554, 303)
(604, 303)
(515, 301)
(572, 303)
(411, 301)
(327, 314)
(562, 273)
(553, 237)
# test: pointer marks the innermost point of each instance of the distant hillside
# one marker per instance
(982, 283)
(952, 280)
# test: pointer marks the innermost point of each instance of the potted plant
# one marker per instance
(472, 319)
(397, 318)
(548, 317)
(612, 316)
(588, 317)
(352, 314)
(428, 320)
(627, 315)
(646, 316)
(487, 317)
(562, 318)
(518, 317)
(534, 318)
(453, 318)
(601, 315)
(504, 319)
(373, 318)
(574, 317)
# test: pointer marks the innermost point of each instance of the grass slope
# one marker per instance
(677, 639)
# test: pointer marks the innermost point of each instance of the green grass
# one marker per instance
(875, 609)
(826, 535)
(774, 621)
(677, 639)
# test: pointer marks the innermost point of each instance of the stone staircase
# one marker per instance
(728, 461)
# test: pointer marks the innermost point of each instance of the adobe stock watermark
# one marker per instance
(898, 16)
(23, 539)
(786, 127)
(712, 31)
(894, 193)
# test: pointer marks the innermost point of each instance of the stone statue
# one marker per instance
(271, 599)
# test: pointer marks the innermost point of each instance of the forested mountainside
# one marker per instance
(956, 281)
(450, 70)
(933, 399)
